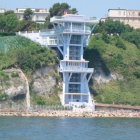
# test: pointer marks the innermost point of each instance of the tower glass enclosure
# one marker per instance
(72, 32)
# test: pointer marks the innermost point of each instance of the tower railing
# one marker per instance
(74, 30)
(75, 66)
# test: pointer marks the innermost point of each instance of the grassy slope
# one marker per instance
(22, 52)
(124, 61)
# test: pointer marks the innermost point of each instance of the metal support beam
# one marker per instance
(69, 77)
(60, 50)
(89, 77)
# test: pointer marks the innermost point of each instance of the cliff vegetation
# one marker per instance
(114, 52)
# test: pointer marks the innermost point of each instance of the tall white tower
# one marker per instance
(72, 32)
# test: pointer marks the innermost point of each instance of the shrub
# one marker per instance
(3, 76)
(3, 97)
(120, 44)
(105, 37)
(52, 99)
(137, 74)
(14, 75)
(133, 37)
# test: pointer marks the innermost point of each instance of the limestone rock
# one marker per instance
(13, 86)
(44, 81)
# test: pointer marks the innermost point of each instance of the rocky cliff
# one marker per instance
(14, 88)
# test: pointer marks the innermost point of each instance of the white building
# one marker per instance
(70, 36)
(2, 10)
(38, 16)
(131, 17)
(72, 32)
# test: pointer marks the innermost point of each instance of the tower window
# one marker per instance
(75, 39)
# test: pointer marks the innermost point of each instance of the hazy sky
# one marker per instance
(90, 8)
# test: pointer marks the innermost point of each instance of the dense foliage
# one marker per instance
(112, 27)
(16, 51)
(116, 54)
(8, 22)
(58, 9)
(133, 37)
(28, 14)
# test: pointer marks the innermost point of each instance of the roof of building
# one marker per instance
(125, 9)
(72, 18)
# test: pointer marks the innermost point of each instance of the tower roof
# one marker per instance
(72, 18)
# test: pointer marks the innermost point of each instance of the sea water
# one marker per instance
(39, 128)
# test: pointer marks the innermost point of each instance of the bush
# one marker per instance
(120, 44)
(3, 97)
(137, 74)
(4, 76)
(52, 99)
(133, 37)
(15, 75)
(105, 37)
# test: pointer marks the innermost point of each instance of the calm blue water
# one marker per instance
(34, 128)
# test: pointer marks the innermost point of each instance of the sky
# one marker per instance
(90, 8)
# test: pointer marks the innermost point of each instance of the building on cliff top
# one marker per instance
(39, 14)
(131, 17)
(2, 10)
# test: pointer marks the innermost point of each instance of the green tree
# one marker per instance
(73, 11)
(9, 12)
(58, 9)
(8, 22)
(28, 14)
(2, 22)
(112, 27)
(11, 22)
(26, 25)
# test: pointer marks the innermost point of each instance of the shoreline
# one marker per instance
(76, 114)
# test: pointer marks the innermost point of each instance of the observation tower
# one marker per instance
(72, 33)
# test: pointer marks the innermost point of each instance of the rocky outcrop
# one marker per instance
(100, 77)
(44, 81)
(13, 84)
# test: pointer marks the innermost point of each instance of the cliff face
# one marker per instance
(44, 81)
(13, 84)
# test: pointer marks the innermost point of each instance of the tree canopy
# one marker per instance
(58, 9)
(112, 27)
(8, 22)
(28, 14)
